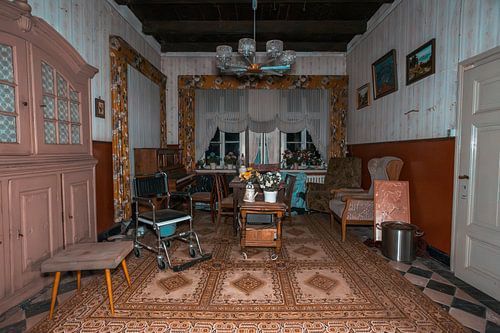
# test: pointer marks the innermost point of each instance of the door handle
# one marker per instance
(463, 177)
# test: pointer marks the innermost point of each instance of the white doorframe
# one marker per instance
(472, 62)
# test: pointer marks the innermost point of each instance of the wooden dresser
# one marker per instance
(47, 187)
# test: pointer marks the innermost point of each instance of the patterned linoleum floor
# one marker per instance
(474, 309)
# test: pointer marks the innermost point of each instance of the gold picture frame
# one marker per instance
(363, 97)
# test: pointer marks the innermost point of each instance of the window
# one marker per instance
(297, 141)
(222, 143)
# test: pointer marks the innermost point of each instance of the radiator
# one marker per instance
(316, 179)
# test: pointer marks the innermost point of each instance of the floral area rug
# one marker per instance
(318, 284)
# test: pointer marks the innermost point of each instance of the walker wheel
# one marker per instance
(244, 255)
(161, 263)
(137, 252)
(192, 252)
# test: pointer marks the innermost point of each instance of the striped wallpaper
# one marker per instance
(462, 28)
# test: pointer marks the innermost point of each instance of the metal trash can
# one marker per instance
(399, 240)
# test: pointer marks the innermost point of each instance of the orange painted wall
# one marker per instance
(429, 169)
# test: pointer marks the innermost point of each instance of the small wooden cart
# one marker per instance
(262, 235)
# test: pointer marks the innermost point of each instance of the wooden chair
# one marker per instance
(206, 198)
(286, 196)
(355, 206)
(224, 204)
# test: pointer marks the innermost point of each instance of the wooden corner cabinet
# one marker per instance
(47, 172)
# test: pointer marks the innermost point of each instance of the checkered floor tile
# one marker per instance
(461, 301)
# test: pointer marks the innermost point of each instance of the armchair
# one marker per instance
(342, 172)
(355, 206)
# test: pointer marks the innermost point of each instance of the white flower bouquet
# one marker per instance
(270, 181)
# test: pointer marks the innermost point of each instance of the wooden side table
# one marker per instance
(88, 256)
(261, 235)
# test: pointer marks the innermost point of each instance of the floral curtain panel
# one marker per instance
(123, 55)
(261, 111)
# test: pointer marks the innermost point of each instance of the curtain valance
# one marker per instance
(261, 111)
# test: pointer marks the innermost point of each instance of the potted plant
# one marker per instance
(200, 164)
(270, 183)
(213, 160)
(290, 158)
(230, 160)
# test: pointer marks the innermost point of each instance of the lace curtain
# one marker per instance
(261, 111)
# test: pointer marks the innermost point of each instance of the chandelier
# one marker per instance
(278, 62)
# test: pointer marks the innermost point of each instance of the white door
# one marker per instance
(477, 197)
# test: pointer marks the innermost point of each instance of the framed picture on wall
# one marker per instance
(421, 62)
(385, 76)
(100, 110)
(363, 96)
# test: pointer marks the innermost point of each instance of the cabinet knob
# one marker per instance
(25, 103)
(463, 177)
(71, 216)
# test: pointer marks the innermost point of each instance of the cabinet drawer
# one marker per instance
(268, 234)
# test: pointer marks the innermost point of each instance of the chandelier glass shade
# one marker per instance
(278, 62)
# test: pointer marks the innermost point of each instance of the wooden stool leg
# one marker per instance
(78, 279)
(125, 271)
(54, 293)
(110, 290)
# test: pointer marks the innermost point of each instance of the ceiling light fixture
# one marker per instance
(278, 62)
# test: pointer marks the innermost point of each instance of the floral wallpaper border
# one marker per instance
(338, 84)
(121, 56)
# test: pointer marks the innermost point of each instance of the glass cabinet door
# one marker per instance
(14, 102)
(62, 126)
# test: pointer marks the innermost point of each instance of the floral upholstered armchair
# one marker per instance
(355, 206)
(342, 172)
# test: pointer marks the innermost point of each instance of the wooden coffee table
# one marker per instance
(266, 235)
(88, 256)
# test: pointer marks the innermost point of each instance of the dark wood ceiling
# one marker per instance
(303, 25)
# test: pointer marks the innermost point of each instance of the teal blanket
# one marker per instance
(299, 190)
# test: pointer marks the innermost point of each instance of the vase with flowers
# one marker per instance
(249, 176)
(290, 159)
(270, 183)
(212, 159)
(230, 160)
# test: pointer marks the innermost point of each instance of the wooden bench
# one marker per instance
(88, 256)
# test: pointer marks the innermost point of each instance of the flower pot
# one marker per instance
(270, 196)
(212, 166)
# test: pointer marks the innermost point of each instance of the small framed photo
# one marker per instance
(421, 62)
(363, 96)
(100, 110)
(385, 76)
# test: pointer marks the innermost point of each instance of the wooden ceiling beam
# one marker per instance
(246, 27)
(297, 46)
(242, 2)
